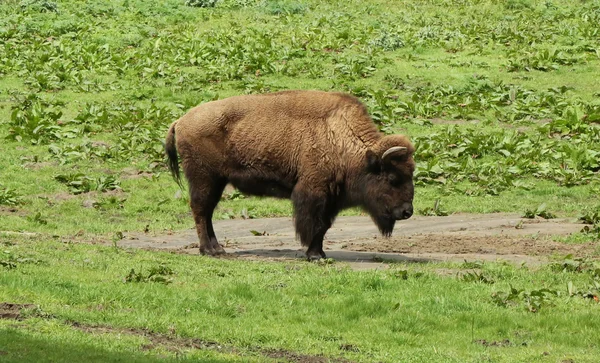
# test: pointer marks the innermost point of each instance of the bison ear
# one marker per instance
(373, 162)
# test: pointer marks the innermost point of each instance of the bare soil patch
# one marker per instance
(39, 165)
(14, 311)
(174, 343)
(355, 240)
(134, 173)
(11, 210)
(171, 342)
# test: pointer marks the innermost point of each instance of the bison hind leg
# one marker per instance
(205, 194)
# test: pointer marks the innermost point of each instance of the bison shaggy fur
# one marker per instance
(320, 149)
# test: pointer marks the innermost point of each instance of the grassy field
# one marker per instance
(501, 99)
(107, 304)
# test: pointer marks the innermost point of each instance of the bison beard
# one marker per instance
(385, 225)
(320, 149)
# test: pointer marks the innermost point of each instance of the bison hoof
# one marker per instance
(212, 251)
(315, 256)
(219, 250)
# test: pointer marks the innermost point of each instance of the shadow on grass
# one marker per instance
(20, 346)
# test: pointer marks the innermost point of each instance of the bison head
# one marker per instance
(388, 184)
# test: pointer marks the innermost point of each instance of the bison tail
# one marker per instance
(171, 152)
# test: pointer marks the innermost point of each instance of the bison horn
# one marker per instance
(392, 150)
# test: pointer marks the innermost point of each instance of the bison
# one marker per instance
(319, 149)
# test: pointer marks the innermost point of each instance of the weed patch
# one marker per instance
(80, 183)
(9, 196)
(161, 274)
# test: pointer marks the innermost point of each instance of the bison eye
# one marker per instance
(393, 179)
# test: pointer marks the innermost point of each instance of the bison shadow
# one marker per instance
(337, 255)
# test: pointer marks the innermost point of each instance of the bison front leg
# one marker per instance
(313, 215)
(204, 197)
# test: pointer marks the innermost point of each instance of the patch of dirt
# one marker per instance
(39, 165)
(169, 342)
(14, 311)
(6, 210)
(300, 358)
(133, 173)
(89, 196)
(500, 343)
(356, 241)
(461, 244)
(174, 343)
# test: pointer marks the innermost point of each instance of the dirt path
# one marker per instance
(355, 240)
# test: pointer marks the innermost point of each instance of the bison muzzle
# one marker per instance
(319, 149)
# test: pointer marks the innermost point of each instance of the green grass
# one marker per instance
(413, 63)
(515, 79)
(407, 313)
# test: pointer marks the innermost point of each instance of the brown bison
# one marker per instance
(320, 149)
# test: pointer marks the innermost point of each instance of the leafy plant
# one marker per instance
(201, 3)
(436, 210)
(9, 196)
(10, 260)
(39, 5)
(80, 183)
(284, 7)
(539, 212)
(111, 202)
(35, 120)
(37, 218)
(160, 274)
(234, 195)
(591, 292)
(591, 217)
(533, 300)
(474, 276)
(576, 265)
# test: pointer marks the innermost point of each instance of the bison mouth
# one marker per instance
(385, 224)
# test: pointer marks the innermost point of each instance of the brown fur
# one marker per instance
(320, 149)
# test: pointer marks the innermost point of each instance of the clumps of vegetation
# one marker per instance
(545, 60)
(35, 120)
(37, 218)
(592, 218)
(41, 6)
(80, 183)
(475, 276)
(234, 195)
(472, 264)
(539, 212)
(532, 300)
(161, 274)
(9, 261)
(436, 210)
(388, 40)
(284, 7)
(592, 291)
(111, 202)
(405, 274)
(576, 265)
(201, 3)
(9, 196)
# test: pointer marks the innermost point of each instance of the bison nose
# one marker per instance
(403, 212)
